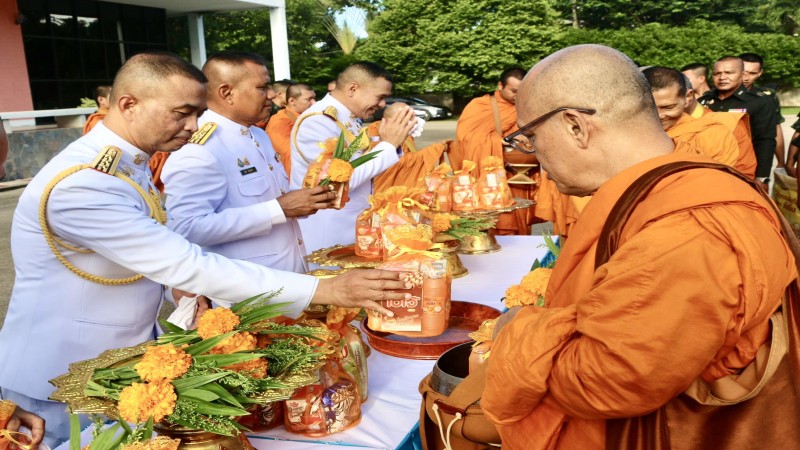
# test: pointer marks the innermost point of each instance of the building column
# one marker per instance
(280, 43)
(197, 40)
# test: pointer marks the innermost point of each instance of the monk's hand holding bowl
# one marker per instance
(361, 288)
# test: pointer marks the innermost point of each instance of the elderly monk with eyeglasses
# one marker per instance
(707, 135)
(477, 137)
(682, 293)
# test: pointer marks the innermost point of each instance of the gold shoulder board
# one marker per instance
(331, 112)
(201, 136)
(107, 160)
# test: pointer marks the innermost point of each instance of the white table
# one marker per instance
(392, 409)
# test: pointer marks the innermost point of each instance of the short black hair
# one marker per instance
(513, 72)
(295, 90)
(370, 68)
(695, 66)
(236, 57)
(659, 77)
(752, 58)
(102, 91)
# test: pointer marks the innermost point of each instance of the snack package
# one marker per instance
(369, 240)
(263, 417)
(318, 171)
(321, 409)
(399, 209)
(438, 189)
(352, 349)
(465, 190)
(427, 312)
(493, 190)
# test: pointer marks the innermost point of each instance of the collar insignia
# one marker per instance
(139, 159)
(201, 136)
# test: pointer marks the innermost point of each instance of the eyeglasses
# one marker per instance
(526, 145)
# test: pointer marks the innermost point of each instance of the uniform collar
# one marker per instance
(226, 124)
(345, 115)
(131, 155)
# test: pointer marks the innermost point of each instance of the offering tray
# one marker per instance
(465, 317)
(486, 243)
(344, 256)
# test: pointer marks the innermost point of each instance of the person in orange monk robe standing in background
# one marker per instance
(102, 96)
(299, 97)
(477, 136)
(678, 294)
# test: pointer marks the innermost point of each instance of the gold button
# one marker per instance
(270, 166)
(299, 242)
(283, 191)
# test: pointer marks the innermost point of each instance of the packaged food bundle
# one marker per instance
(330, 406)
(493, 189)
(263, 417)
(465, 190)
(369, 241)
(427, 312)
(438, 189)
(352, 349)
(400, 208)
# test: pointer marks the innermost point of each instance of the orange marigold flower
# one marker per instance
(256, 368)
(163, 362)
(216, 321)
(536, 280)
(340, 170)
(441, 222)
(139, 401)
(517, 295)
(237, 343)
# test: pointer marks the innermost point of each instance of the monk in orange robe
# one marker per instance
(299, 97)
(103, 97)
(699, 268)
(410, 171)
(477, 137)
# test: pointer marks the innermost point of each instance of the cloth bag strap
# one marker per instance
(498, 124)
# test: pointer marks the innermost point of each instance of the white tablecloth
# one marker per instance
(392, 409)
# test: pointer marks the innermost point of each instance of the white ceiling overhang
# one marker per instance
(181, 7)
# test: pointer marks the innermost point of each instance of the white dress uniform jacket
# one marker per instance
(221, 195)
(56, 317)
(330, 227)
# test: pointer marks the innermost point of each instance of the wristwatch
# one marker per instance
(764, 180)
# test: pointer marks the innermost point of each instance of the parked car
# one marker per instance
(422, 109)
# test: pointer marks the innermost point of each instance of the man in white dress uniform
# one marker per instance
(361, 89)
(230, 195)
(104, 222)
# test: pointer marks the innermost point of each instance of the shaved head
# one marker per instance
(730, 59)
(393, 109)
(589, 76)
(143, 75)
(229, 67)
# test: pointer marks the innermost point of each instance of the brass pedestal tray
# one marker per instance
(465, 317)
(521, 172)
(486, 242)
(344, 256)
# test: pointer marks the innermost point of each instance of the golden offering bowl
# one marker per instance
(478, 245)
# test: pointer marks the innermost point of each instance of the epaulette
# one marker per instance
(201, 136)
(331, 112)
(107, 160)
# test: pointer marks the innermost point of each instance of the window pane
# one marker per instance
(109, 16)
(62, 25)
(133, 25)
(71, 93)
(39, 55)
(68, 59)
(45, 94)
(94, 60)
(35, 18)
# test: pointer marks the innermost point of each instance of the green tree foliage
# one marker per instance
(458, 46)
(699, 41)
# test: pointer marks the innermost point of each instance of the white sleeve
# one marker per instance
(195, 186)
(108, 216)
(315, 130)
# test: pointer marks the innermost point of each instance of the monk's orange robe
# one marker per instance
(410, 171)
(739, 125)
(476, 138)
(279, 130)
(700, 268)
(94, 119)
(156, 164)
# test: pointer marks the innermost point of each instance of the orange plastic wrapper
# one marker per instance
(263, 417)
(318, 171)
(352, 349)
(329, 407)
(400, 208)
(493, 189)
(427, 312)
(439, 189)
(465, 190)
(369, 240)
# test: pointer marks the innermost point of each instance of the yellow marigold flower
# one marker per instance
(256, 368)
(536, 280)
(517, 295)
(216, 321)
(441, 222)
(340, 170)
(163, 362)
(139, 401)
(237, 343)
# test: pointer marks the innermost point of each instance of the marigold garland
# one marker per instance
(536, 280)
(163, 362)
(139, 401)
(517, 295)
(442, 222)
(216, 321)
(340, 170)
